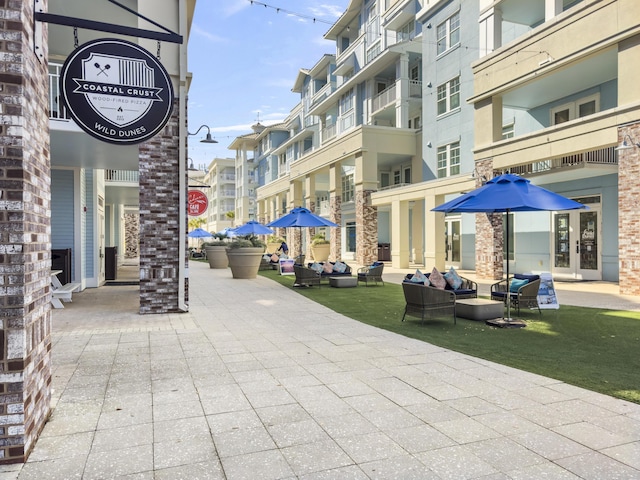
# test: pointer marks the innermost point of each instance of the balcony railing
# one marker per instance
(603, 156)
(57, 109)
(329, 132)
(384, 98)
(122, 176)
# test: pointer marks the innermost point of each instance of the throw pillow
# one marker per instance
(317, 267)
(339, 267)
(274, 258)
(328, 268)
(516, 284)
(419, 277)
(453, 279)
(437, 280)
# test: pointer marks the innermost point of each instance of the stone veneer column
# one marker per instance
(629, 212)
(25, 235)
(489, 236)
(132, 235)
(160, 210)
(366, 228)
(335, 212)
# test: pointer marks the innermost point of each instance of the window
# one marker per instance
(449, 160)
(407, 174)
(348, 187)
(578, 109)
(396, 177)
(508, 131)
(415, 123)
(346, 110)
(405, 32)
(448, 96)
(385, 179)
(448, 33)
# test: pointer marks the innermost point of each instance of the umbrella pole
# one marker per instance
(508, 319)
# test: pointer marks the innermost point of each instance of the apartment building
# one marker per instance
(560, 78)
(64, 189)
(355, 130)
(220, 180)
(425, 100)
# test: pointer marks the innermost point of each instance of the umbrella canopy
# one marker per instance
(199, 233)
(508, 193)
(301, 217)
(252, 228)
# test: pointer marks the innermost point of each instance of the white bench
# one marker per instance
(62, 293)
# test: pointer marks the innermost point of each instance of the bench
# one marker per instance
(63, 293)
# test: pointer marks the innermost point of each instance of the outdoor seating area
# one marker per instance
(305, 277)
(521, 289)
(330, 269)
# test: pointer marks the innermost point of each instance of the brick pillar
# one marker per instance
(25, 231)
(160, 210)
(335, 209)
(629, 212)
(366, 228)
(489, 238)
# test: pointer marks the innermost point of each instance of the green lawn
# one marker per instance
(592, 348)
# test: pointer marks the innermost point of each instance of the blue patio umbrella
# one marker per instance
(301, 217)
(252, 228)
(505, 194)
(199, 233)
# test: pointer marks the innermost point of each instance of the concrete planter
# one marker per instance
(320, 252)
(217, 256)
(245, 262)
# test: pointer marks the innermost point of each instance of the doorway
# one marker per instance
(576, 242)
(453, 252)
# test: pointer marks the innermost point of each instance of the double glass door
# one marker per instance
(453, 251)
(576, 243)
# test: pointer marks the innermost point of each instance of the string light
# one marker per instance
(289, 12)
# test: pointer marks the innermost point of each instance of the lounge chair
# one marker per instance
(371, 274)
(421, 299)
(305, 276)
(521, 295)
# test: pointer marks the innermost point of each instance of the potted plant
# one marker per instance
(244, 254)
(273, 243)
(320, 248)
(216, 251)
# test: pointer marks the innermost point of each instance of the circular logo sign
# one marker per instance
(197, 202)
(116, 91)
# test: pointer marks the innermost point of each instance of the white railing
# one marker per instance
(56, 107)
(227, 176)
(603, 156)
(122, 176)
(329, 132)
(384, 98)
(415, 88)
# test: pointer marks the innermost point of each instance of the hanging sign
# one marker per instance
(116, 91)
(197, 202)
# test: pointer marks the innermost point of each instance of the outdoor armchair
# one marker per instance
(305, 276)
(371, 274)
(525, 295)
(421, 300)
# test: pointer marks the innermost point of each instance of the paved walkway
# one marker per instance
(257, 382)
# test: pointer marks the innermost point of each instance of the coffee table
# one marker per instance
(479, 309)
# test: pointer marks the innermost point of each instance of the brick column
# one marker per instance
(629, 212)
(25, 231)
(160, 210)
(489, 238)
(335, 212)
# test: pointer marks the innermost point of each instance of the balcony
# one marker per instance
(329, 132)
(56, 109)
(607, 157)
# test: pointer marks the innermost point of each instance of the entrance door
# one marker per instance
(453, 252)
(576, 241)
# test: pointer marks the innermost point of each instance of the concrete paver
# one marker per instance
(256, 381)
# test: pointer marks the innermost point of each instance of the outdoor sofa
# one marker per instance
(468, 288)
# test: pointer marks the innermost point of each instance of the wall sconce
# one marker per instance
(429, 85)
(626, 146)
(208, 139)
